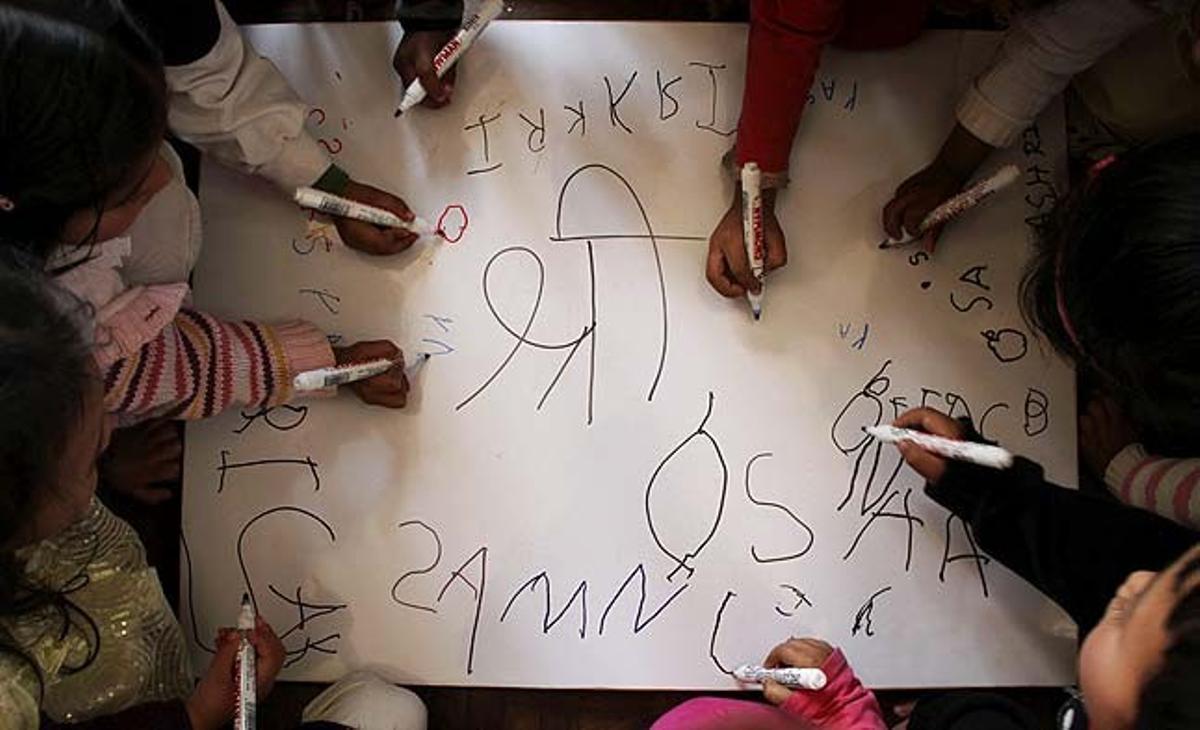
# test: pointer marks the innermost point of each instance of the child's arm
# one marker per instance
(428, 26)
(197, 366)
(786, 40)
(1039, 56)
(1037, 59)
(1169, 487)
(1075, 548)
(844, 703)
(234, 104)
(169, 715)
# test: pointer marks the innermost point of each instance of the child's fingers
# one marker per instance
(776, 251)
(930, 466)
(775, 692)
(402, 240)
(799, 653)
(930, 421)
(912, 216)
(893, 215)
(718, 274)
(153, 496)
(738, 264)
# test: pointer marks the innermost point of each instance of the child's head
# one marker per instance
(82, 113)
(1115, 285)
(1140, 667)
(53, 428)
(53, 425)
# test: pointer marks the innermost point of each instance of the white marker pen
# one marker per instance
(346, 208)
(341, 374)
(982, 454)
(455, 47)
(753, 233)
(959, 204)
(247, 684)
(800, 677)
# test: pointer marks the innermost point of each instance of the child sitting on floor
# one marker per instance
(1115, 287)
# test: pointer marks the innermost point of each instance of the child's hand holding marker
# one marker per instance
(954, 207)
(212, 703)
(368, 219)
(919, 195)
(793, 653)
(728, 268)
(414, 62)
(389, 388)
(926, 463)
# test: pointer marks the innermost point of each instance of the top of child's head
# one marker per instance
(1115, 285)
(53, 425)
(82, 115)
(1139, 669)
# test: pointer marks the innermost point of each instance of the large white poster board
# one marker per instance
(608, 475)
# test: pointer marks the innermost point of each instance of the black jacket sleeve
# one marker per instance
(419, 15)
(169, 715)
(1076, 548)
(184, 30)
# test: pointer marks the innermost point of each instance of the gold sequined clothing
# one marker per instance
(99, 564)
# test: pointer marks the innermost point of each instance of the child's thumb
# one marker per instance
(775, 692)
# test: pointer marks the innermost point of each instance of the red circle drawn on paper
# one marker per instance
(462, 229)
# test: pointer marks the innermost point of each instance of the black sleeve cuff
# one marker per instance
(422, 15)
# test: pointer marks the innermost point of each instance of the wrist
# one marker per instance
(961, 154)
(334, 180)
(197, 717)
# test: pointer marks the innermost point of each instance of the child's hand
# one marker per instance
(1103, 432)
(793, 653)
(916, 197)
(728, 268)
(414, 60)
(388, 389)
(930, 466)
(139, 457)
(368, 237)
(211, 704)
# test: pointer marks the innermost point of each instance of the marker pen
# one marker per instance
(455, 47)
(247, 690)
(753, 233)
(800, 677)
(959, 204)
(982, 454)
(341, 374)
(346, 208)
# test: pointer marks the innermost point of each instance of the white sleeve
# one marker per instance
(235, 105)
(1037, 59)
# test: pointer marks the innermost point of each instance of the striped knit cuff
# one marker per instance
(304, 348)
(1122, 466)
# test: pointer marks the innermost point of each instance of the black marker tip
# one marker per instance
(398, 113)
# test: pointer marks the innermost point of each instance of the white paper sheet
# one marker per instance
(608, 475)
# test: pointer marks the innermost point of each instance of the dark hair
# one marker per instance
(1123, 253)
(45, 364)
(1170, 700)
(82, 103)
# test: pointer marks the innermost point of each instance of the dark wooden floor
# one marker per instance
(453, 708)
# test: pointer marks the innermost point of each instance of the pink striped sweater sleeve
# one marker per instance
(198, 366)
(844, 703)
(1169, 487)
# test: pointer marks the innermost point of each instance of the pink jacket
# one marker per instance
(844, 704)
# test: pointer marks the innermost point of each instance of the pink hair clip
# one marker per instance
(6, 203)
(1099, 165)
